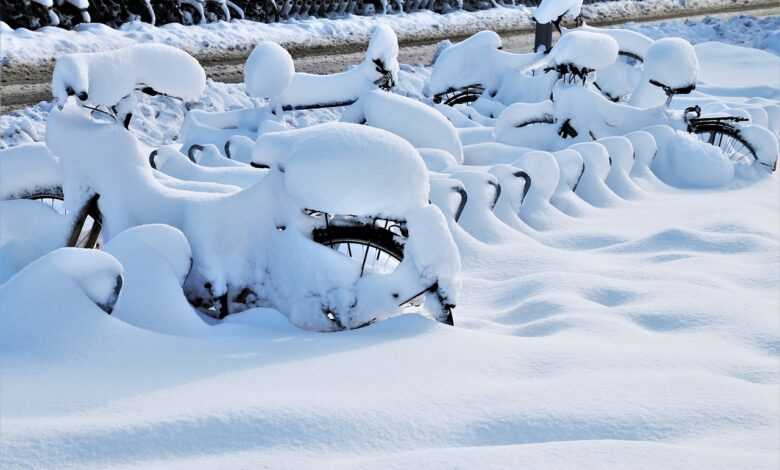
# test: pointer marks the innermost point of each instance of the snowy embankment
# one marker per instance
(223, 40)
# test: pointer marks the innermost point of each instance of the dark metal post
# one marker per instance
(543, 37)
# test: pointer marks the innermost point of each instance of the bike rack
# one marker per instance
(527, 186)
(464, 197)
(497, 187)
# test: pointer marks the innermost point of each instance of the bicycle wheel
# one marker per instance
(728, 139)
(378, 248)
(87, 224)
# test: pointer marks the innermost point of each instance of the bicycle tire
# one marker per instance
(384, 240)
(728, 138)
(82, 223)
(371, 235)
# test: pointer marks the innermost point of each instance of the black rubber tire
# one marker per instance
(371, 235)
(721, 135)
(90, 210)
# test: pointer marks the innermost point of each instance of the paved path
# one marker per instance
(17, 92)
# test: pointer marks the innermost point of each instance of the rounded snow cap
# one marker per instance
(486, 38)
(268, 71)
(672, 62)
(585, 49)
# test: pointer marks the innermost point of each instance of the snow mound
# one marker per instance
(94, 274)
(28, 168)
(585, 50)
(174, 163)
(572, 166)
(592, 186)
(764, 143)
(476, 60)
(545, 173)
(527, 125)
(379, 65)
(685, 161)
(551, 10)
(104, 78)
(629, 42)
(672, 62)
(437, 159)
(268, 71)
(433, 250)
(420, 125)
(239, 148)
(343, 168)
(28, 230)
(621, 154)
(383, 47)
(156, 261)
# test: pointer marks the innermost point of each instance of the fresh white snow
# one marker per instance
(611, 312)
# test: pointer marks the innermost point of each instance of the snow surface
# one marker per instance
(659, 348)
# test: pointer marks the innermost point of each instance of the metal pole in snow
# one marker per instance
(543, 37)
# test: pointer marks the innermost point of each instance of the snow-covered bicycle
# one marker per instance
(314, 234)
(579, 110)
(269, 75)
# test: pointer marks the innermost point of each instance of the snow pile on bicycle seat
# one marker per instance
(268, 71)
(420, 125)
(685, 161)
(343, 168)
(476, 60)
(585, 50)
(630, 42)
(104, 78)
(29, 167)
(383, 46)
(672, 62)
(551, 10)
(380, 63)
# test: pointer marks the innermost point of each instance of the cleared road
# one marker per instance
(17, 92)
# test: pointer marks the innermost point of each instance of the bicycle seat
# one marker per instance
(582, 52)
(343, 168)
(671, 64)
